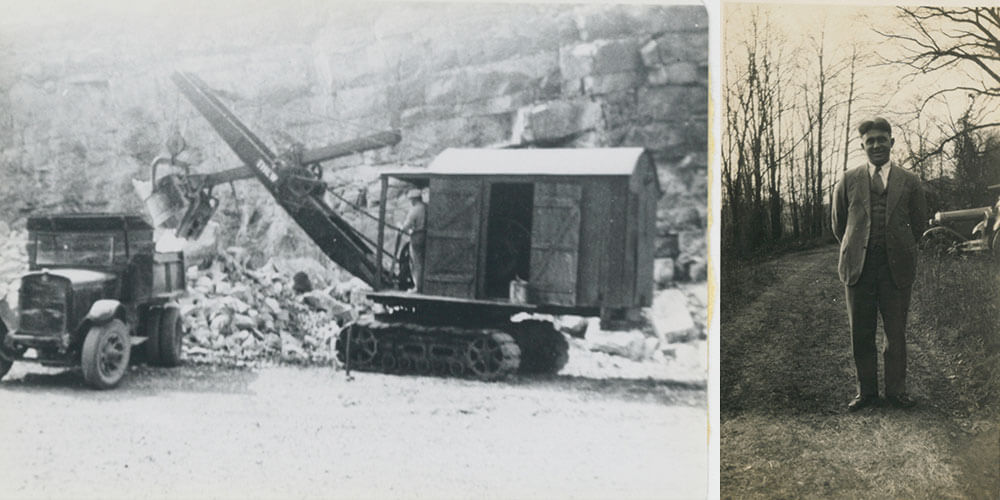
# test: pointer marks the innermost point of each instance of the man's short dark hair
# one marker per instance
(875, 124)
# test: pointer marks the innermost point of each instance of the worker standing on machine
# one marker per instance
(416, 227)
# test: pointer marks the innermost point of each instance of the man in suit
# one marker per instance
(879, 213)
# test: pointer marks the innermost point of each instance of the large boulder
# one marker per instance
(663, 272)
(626, 343)
(557, 120)
(321, 300)
(291, 348)
(671, 317)
(574, 326)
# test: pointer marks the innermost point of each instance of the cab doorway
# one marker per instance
(508, 237)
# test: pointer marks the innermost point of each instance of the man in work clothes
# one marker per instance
(878, 216)
(416, 227)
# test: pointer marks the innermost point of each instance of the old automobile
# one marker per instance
(965, 231)
(95, 287)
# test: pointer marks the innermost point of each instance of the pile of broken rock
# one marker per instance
(669, 342)
(238, 314)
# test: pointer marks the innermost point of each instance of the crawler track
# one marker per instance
(408, 347)
(397, 345)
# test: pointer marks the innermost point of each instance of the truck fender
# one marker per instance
(103, 311)
(980, 230)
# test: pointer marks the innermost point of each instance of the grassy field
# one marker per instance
(787, 376)
(956, 303)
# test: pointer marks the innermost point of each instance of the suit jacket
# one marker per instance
(906, 216)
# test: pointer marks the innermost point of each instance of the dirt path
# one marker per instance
(196, 432)
(786, 377)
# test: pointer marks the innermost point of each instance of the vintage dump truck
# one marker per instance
(574, 229)
(96, 287)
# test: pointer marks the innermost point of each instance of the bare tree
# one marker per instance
(942, 38)
(850, 100)
(783, 137)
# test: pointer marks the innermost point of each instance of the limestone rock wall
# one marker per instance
(86, 102)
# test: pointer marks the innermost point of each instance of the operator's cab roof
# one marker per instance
(557, 162)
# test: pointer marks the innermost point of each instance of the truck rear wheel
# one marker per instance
(150, 324)
(171, 335)
(106, 354)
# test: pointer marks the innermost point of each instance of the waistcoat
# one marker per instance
(876, 235)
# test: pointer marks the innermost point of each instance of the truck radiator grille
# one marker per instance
(49, 320)
(43, 305)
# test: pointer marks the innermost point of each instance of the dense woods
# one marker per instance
(797, 84)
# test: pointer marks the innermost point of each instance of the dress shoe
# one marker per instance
(901, 401)
(860, 402)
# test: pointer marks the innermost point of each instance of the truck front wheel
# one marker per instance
(171, 334)
(7, 358)
(105, 356)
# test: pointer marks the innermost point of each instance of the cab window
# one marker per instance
(87, 249)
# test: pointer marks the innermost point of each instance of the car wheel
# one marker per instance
(105, 355)
(938, 244)
(151, 329)
(171, 335)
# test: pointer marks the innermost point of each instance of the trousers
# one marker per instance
(874, 293)
(418, 242)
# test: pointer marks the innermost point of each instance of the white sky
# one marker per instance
(885, 90)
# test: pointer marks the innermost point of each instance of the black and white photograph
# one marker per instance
(321, 249)
(860, 251)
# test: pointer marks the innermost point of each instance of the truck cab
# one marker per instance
(95, 288)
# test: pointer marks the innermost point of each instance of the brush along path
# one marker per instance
(787, 375)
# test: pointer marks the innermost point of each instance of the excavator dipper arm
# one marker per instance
(291, 186)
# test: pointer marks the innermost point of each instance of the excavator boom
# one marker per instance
(292, 183)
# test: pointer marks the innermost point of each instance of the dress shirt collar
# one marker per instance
(884, 172)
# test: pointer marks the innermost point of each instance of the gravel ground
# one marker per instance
(208, 432)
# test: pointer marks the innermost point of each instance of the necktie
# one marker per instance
(877, 185)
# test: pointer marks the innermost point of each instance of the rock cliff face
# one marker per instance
(86, 102)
